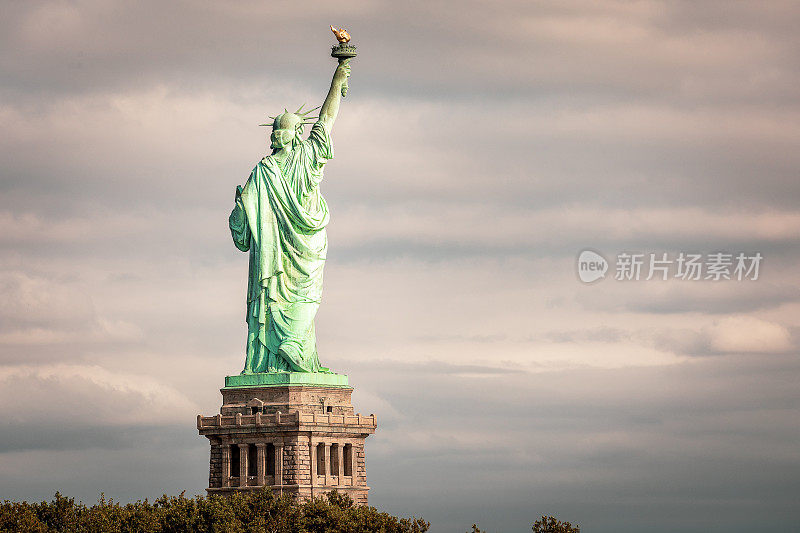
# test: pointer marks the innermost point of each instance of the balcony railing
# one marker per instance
(289, 419)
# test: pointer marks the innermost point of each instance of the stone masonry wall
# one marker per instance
(296, 462)
(215, 471)
(361, 464)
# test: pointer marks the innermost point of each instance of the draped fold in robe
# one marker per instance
(280, 217)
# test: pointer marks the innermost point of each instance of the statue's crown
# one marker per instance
(288, 120)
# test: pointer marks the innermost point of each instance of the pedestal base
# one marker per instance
(300, 439)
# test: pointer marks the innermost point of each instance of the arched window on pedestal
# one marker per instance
(321, 459)
(334, 460)
(270, 459)
(252, 461)
(348, 459)
(235, 460)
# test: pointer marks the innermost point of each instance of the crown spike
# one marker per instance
(307, 112)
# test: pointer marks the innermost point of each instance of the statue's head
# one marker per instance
(287, 128)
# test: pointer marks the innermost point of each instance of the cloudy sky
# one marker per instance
(480, 149)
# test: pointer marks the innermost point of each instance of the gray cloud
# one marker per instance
(480, 149)
(702, 297)
(557, 441)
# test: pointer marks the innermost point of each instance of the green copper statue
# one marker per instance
(280, 217)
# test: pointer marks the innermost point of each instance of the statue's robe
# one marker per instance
(280, 216)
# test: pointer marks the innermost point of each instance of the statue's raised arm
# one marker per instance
(330, 108)
(344, 52)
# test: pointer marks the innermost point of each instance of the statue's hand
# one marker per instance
(341, 75)
(342, 72)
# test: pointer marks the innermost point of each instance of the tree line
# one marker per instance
(259, 511)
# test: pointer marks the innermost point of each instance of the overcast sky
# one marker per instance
(482, 146)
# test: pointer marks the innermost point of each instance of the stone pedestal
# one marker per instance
(304, 440)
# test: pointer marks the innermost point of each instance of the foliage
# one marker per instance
(252, 512)
(548, 524)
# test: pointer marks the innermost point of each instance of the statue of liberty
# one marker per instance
(280, 218)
